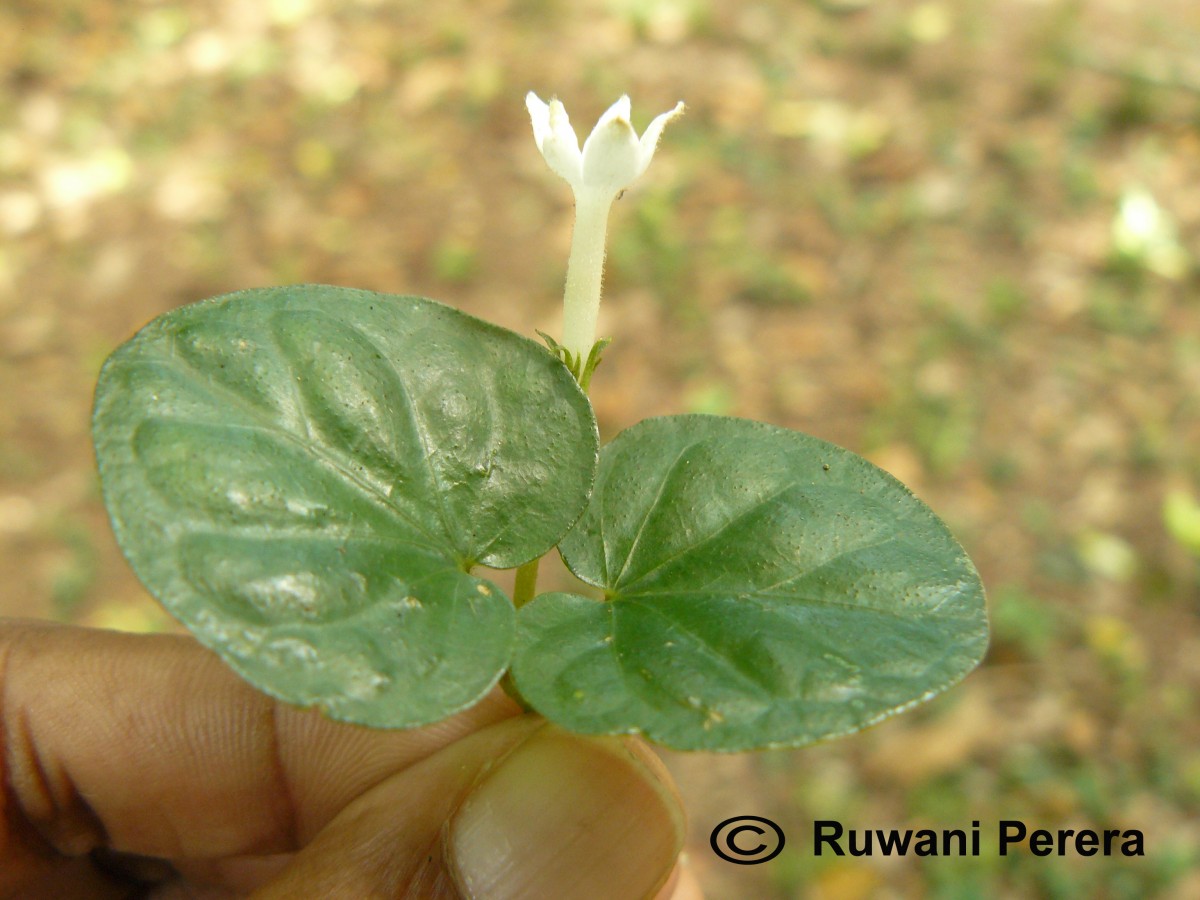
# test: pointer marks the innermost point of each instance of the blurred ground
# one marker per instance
(960, 238)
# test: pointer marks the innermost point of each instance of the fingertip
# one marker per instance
(568, 816)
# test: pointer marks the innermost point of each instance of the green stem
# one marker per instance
(526, 583)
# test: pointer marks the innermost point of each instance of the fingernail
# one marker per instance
(568, 816)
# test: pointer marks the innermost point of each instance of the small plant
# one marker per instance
(311, 479)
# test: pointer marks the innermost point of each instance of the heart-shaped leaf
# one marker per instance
(304, 476)
(763, 588)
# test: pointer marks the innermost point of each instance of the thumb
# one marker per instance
(520, 809)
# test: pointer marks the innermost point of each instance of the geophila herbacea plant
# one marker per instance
(310, 477)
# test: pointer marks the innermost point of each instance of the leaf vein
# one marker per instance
(706, 646)
(725, 526)
(650, 511)
(275, 429)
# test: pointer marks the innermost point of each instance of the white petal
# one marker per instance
(562, 147)
(619, 110)
(555, 138)
(652, 133)
(539, 115)
(611, 154)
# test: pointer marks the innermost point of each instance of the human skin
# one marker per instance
(138, 764)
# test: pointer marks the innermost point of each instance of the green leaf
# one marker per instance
(763, 588)
(304, 476)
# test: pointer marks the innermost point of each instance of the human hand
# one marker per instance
(143, 764)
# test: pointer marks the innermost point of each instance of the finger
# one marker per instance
(683, 883)
(521, 809)
(151, 745)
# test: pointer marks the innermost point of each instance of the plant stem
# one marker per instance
(585, 271)
(523, 592)
(526, 583)
(581, 304)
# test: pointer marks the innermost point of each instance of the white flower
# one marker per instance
(612, 156)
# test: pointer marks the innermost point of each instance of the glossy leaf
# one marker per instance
(763, 588)
(305, 475)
